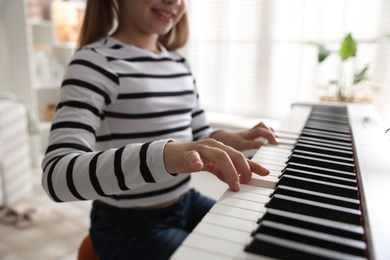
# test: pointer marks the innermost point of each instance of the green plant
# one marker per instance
(346, 50)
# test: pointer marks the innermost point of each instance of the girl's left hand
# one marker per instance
(249, 139)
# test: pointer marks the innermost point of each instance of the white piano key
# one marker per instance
(238, 213)
(268, 181)
(254, 189)
(275, 148)
(269, 162)
(274, 173)
(243, 204)
(246, 196)
(229, 222)
(296, 120)
(263, 140)
(285, 135)
(284, 141)
(223, 233)
(249, 153)
(188, 253)
(227, 249)
(273, 153)
(281, 148)
(270, 166)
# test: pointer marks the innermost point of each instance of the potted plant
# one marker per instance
(348, 76)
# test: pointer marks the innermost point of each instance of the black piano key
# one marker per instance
(325, 144)
(268, 246)
(321, 177)
(327, 118)
(308, 237)
(319, 170)
(303, 137)
(333, 139)
(312, 226)
(297, 151)
(323, 150)
(320, 186)
(320, 127)
(348, 167)
(325, 133)
(316, 196)
(327, 123)
(314, 209)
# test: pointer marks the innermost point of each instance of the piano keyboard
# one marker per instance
(311, 204)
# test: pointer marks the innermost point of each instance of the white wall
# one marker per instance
(15, 50)
(3, 48)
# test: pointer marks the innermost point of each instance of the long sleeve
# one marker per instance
(73, 169)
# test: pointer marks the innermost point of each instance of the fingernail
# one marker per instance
(197, 163)
(236, 186)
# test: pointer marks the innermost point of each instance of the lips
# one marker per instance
(165, 16)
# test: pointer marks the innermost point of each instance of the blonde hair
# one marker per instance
(101, 17)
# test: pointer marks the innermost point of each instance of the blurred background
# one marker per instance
(252, 60)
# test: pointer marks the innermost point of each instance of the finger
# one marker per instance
(243, 168)
(257, 133)
(193, 160)
(252, 144)
(221, 163)
(261, 125)
(240, 163)
(258, 169)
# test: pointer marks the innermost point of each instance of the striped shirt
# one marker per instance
(119, 105)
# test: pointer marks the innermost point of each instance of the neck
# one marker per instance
(146, 42)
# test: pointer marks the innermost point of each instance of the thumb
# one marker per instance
(192, 159)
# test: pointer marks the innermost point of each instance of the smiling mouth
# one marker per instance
(163, 15)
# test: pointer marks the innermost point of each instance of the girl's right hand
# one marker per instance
(228, 164)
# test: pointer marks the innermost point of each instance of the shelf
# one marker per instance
(42, 32)
(40, 23)
(49, 85)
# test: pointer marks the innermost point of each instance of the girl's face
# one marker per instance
(150, 16)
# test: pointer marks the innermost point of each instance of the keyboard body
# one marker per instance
(326, 197)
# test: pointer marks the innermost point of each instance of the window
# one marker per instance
(250, 57)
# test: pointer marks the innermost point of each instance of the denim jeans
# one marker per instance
(128, 233)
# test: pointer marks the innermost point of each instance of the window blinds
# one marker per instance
(250, 56)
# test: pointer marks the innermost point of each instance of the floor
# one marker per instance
(59, 234)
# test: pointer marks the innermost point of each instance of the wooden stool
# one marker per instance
(86, 251)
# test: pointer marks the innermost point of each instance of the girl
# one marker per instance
(128, 127)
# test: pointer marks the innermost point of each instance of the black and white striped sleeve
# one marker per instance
(72, 168)
(200, 127)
